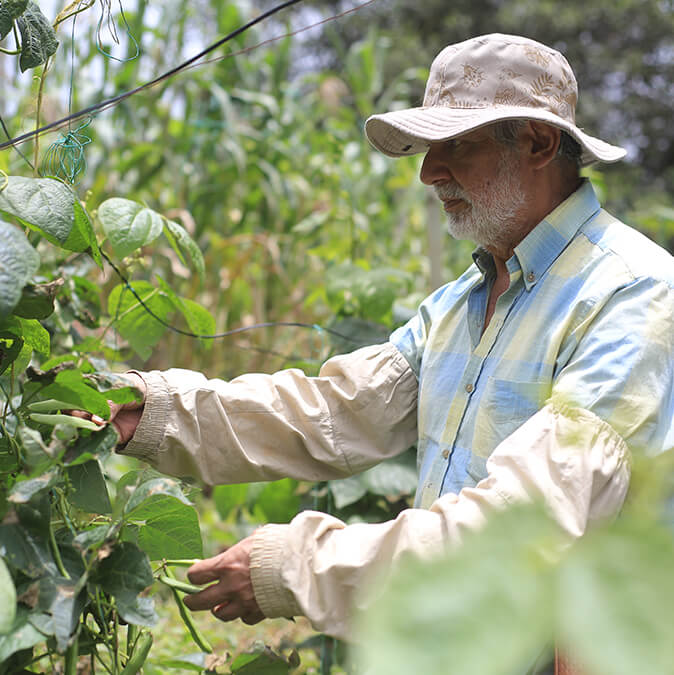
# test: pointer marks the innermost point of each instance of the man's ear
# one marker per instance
(541, 142)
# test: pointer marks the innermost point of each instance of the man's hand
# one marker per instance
(123, 416)
(232, 597)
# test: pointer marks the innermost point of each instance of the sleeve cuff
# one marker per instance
(152, 426)
(267, 559)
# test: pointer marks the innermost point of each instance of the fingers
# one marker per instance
(228, 611)
(205, 571)
(210, 597)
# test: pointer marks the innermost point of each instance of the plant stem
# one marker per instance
(38, 109)
(70, 667)
(56, 552)
(131, 635)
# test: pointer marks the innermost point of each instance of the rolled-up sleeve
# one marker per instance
(568, 458)
(360, 410)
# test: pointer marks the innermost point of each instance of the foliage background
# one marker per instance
(261, 157)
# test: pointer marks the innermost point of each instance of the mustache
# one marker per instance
(447, 191)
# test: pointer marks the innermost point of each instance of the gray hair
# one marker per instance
(507, 133)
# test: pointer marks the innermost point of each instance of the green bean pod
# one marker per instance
(53, 420)
(180, 585)
(198, 637)
(140, 651)
(50, 405)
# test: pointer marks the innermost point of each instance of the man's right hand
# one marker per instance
(126, 416)
(123, 416)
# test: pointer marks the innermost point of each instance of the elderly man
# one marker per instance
(532, 376)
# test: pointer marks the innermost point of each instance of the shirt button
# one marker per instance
(469, 387)
(445, 453)
(531, 277)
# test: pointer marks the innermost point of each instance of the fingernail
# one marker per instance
(97, 420)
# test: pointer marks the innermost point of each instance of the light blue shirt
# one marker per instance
(588, 318)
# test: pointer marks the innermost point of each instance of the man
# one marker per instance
(534, 375)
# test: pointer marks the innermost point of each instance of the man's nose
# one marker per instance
(435, 167)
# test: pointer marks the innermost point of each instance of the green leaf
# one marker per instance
(199, 319)
(85, 230)
(98, 446)
(21, 635)
(278, 501)
(11, 348)
(229, 497)
(38, 40)
(347, 491)
(170, 524)
(7, 599)
(135, 324)
(10, 10)
(71, 387)
(18, 262)
(47, 206)
(35, 335)
(63, 599)
(263, 662)
(125, 573)
(616, 598)
(24, 552)
(393, 478)
(181, 242)
(128, 224)
(89, 490)
(23, 491)
(37, 300)
(495, 590)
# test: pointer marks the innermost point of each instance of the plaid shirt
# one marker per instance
(587, 320)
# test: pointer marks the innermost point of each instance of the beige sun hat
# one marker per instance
(484, 80)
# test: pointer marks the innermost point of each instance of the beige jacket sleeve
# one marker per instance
(359, 410)
(317, 566)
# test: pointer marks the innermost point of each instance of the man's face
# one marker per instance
(479, 183)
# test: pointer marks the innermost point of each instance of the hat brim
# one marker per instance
(411, 131)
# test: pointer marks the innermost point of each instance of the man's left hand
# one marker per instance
(233, 596)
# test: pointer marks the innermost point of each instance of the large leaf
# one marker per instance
(96, 446)
(38, 40)
(37, 300)
(278, 501)
(7, 599)
(24, 552)
(394, 478)
(10, 10)
(48, 206)
(616, 598)
(126, 573)
(63, 599)
(18, 262)
(128, 224)
(134, 322)
(21, 635)
(89, 489)
(71, 387)
(169, 524)
(227, 498)
(485, 609)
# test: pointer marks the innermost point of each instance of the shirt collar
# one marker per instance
(541, 247)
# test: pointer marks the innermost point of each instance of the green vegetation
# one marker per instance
(241, 192)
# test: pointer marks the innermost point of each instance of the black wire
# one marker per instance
(228, 333)
(120, 97)
(6, 130)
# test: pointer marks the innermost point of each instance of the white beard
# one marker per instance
(491, 217)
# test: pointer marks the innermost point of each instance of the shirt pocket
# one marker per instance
(505, 406)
